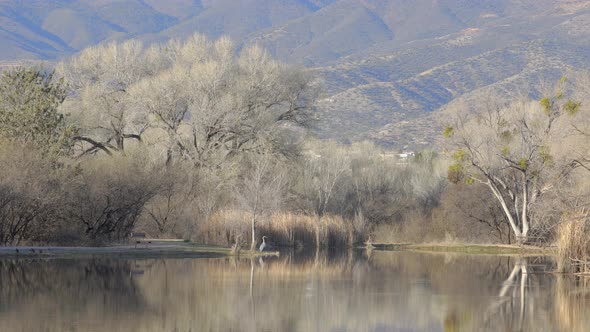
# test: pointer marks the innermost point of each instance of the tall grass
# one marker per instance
(283, 229)
(574, 243)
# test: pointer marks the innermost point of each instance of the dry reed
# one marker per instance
(284, 229)
(573, 243)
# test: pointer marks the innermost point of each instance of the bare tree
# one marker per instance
(323, 169)
(214, 104)
(171, 208)
(100, 78)
(166, 98)
(261, 190)
(470, 213)
(110, 196)
(515, 150)
(375, 189)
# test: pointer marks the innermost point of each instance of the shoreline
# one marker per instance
(470, 248)
(179, 249)
(157, 249)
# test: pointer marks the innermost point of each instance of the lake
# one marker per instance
(350, 291)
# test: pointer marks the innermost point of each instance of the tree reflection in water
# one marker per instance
(47, 295)
(350, 291)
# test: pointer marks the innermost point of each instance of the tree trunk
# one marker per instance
(525, 219)
(291, 236)
(520, 237)
(120, 142)
(118, 136)
(170, 146)
(253, 245)
(318, 233)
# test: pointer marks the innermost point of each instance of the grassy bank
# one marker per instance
(484, 249)
(191, 250)
(166, 250)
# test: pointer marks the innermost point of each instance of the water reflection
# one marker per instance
(350, 291)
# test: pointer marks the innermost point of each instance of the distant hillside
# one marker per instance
(389, 66)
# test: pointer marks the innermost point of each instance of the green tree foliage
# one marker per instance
(29, 101)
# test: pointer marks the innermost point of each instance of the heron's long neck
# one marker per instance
(263, 240)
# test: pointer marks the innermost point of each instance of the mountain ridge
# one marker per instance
(390, 67)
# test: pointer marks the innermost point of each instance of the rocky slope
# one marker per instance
(389, 66)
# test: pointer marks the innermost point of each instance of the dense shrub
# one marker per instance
(108, 197)
(29, 191)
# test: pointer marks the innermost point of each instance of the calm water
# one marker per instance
(388, 291)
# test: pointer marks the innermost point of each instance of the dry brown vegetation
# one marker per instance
(573, 243)
(284, 229)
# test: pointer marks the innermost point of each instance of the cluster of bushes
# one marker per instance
(87, 203)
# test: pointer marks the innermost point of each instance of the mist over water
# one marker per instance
(352, 291)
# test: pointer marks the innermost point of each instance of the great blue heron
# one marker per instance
(263, 244)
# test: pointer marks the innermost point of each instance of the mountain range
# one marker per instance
(390, 67)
